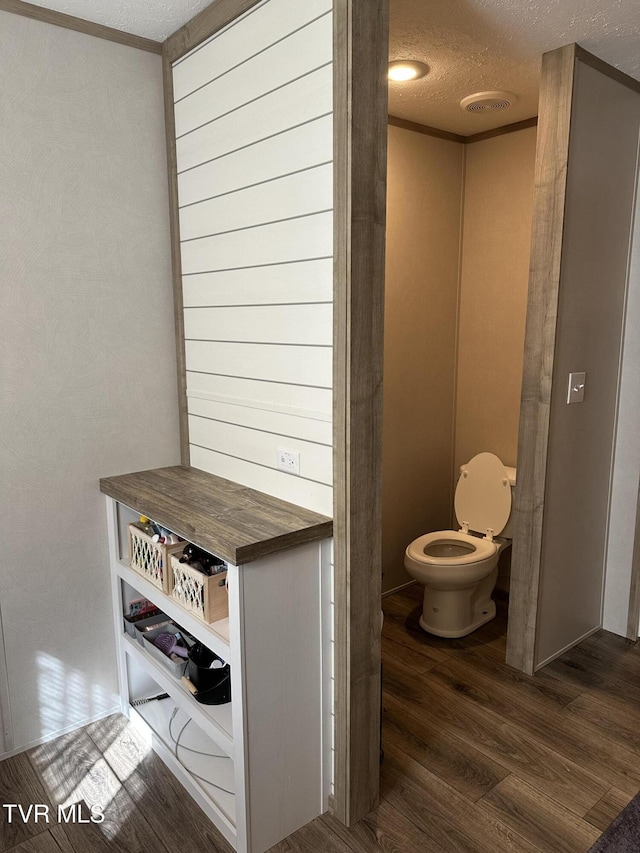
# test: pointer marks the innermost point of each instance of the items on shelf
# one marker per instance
(141, 608)
(147, 525)
(174, 662)
(142, 615)
(201, 560)
(209, 678)
(195, 578)
(157, 532)
(149, 556)
(150, 624)
(203, 595)
(135, 703)
(170, 644)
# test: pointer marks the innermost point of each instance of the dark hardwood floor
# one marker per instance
(478, 759)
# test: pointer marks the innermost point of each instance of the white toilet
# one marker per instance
(459, 569)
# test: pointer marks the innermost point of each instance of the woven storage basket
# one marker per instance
(151, 559)
(205, 597)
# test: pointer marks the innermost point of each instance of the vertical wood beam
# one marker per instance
(552, 155)
(360, 135)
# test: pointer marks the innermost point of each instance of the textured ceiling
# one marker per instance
(153, 19)
(477, 45)
(470, 46)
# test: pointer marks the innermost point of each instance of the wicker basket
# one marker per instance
(205, 597)
(151, 559)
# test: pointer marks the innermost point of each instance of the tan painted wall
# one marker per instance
(493, 294)
(423, 226)
(426, 264)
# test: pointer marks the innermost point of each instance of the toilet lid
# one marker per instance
(483, 495)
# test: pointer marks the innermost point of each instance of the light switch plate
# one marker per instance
(575, 392)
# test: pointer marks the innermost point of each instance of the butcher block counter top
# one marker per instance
(224, 518)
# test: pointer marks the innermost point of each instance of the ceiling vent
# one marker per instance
(487, 102)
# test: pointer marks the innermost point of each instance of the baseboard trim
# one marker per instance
(398, 588)
(65, 731)
(552, 657)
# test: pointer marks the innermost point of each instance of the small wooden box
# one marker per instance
(205, 597)
(151, 559)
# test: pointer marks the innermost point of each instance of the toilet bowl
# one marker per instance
(459, 568)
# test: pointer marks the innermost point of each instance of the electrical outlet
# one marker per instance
(289, 461)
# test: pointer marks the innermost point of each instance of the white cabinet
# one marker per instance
(259, 765)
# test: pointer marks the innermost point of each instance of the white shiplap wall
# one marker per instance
(254, 142)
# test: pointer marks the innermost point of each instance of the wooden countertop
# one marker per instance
(231, 521)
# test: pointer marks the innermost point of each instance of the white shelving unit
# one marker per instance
(257, 766)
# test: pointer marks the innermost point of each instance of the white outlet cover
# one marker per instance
(288, 460)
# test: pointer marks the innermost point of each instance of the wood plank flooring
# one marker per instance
(479, 758)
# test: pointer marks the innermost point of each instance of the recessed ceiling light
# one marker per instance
(402, 70)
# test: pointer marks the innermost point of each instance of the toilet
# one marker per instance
(459, 568)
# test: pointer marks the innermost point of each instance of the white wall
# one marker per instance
(626, 472)
(87, 352)
(599, 207)
(254, 151)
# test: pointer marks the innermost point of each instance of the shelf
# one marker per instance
(219, 805)
(268, 744)
(215, 720)
(214, 636)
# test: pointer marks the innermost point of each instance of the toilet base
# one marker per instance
(480, 621)
(455, 612)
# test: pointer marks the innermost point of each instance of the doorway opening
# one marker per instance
(423, 322)
(459, 211)
(466, 294)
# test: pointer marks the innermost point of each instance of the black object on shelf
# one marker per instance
(213, 686)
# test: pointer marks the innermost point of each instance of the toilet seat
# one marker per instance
(482, 548)
(482, 501)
